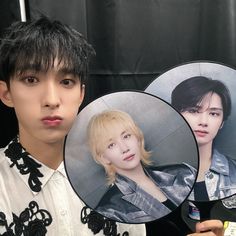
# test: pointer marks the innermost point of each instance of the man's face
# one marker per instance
(46, 103)
(206, 118)
(122, 151)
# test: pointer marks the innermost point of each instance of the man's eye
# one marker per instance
(68, 82)
(126, 136)
(30, 80)
(111, 145)
(214, 114)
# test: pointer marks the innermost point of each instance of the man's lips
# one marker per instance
(129, 158)
(201, 133)
(52, 120)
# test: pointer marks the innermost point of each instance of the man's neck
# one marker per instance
(205, 156)
(50, 154)
(135, 174)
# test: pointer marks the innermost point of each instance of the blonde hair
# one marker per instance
(101, 128)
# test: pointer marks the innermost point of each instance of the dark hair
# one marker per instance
(190, 92)
(36, 44)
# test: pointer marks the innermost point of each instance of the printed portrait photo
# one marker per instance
(134, 159)
(204, 93)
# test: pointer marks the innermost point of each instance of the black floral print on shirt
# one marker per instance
(31, 221)
(25, 164)
(96, 222)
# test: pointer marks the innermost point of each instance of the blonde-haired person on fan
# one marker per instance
(138, 191)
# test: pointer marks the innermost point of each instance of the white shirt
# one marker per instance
(36, 198)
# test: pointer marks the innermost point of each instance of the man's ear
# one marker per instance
(82, 92)
(222, 124)
(5, 95)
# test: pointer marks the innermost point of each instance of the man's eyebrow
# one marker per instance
(216, 109)
(195, 107)
(125, 131)
(42, 68)
(28, 68)
(199, 107)
(27, 72)
(65, 70)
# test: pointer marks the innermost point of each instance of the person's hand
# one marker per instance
(209, 228)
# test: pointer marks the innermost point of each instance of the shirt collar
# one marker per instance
(219, 163)
(33, 173)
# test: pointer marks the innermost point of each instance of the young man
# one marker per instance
(43, 66)
(206, 105)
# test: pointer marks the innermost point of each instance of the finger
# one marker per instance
(209, 233)
(214, 225)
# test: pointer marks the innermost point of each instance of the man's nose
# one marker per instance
(51, 96)
(203, 119)
(124, 147)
